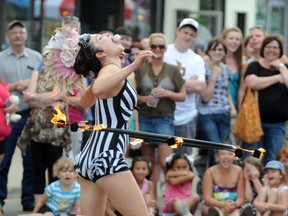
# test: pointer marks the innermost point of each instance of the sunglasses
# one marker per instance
(154, 46)
(84, 40)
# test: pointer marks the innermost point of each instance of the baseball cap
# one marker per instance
(274, 164)
(14, 23)
(189, 22)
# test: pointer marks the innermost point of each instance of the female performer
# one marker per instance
(104, 172)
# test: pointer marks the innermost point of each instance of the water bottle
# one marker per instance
(156, 101)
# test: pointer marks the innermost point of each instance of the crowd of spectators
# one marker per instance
(180, 93)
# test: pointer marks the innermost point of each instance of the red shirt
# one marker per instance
(5, 129)
(75, 114)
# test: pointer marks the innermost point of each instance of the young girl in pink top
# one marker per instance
(141, 169)
(178, 189)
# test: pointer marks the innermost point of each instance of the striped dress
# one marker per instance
(104, 152)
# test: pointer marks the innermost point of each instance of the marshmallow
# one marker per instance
(116, 37)
(15, 118)
(14, 99)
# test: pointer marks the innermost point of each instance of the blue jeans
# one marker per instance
(186, 131)
(27, 195)
(159, 125)
(271, 141)
(215, 128)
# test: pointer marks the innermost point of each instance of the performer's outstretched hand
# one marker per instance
(143, 56)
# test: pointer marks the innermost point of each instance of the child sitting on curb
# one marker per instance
(62, 195)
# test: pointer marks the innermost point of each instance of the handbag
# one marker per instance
(248, 123)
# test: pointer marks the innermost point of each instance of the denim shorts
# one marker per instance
(158, 125)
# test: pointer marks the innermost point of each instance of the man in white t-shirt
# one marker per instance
(191, 66)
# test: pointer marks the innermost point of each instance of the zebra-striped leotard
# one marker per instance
(104, 152)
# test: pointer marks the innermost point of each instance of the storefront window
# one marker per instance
(53, 12)
(11, 10)
(270, 15)
(137, 16)
(40, 26)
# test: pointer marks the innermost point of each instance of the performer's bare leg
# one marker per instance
(93, 198)
(124, 194)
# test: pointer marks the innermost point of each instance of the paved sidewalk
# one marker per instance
(13, 205)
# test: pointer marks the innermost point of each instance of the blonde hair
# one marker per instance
(62, 163)
(239, 52)
(155, 35)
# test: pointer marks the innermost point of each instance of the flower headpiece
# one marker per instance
(62, 50)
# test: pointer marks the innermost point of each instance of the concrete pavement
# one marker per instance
(13, 205)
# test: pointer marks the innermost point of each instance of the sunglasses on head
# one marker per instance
(84, 43)
(84, 40)
(155, 46)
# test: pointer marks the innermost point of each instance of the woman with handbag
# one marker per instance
(269, 76)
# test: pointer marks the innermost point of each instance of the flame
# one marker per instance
(85, 127)
(88, 127)
(59, 119)
(136, 141)
(99, 127)
(263, 151)
(178, 142)
(259, 153)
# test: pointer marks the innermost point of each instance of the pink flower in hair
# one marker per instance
(69, 52)
(62, 50)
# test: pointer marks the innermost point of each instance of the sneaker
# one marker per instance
(184, 209)
(213, 212)
(246, 211)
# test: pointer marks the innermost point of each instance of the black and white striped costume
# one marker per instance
(104, 152)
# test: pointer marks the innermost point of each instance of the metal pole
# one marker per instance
(39, 41)
(146, 136)
(3, 23)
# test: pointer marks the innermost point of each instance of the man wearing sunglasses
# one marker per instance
(191, 67)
